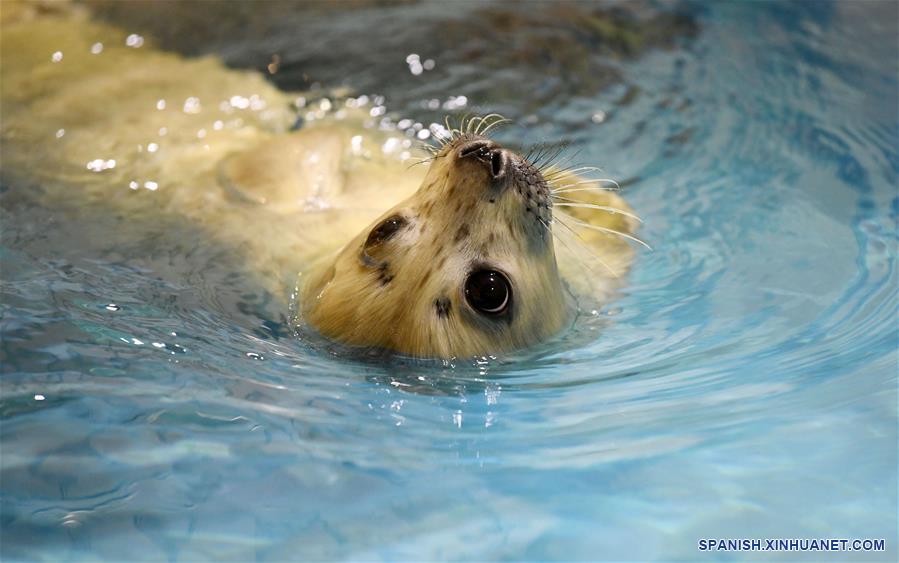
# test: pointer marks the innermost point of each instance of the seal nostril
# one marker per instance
(476, 148)
(497, 163)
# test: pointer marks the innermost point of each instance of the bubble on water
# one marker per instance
(439, 131)
(39, 397)
(60, 133)
(56, 57)
(415, 66)
(455, 102)
(492, 394)
(239, 102)
(255, 356)
(356, 144)
(390, 145)
(113, 307)
(598, 117)
(160, 104)
(257, 103)
(192, 105)
(99, 165)
(96, 48)
(134, 41)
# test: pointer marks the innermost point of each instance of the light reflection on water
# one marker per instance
(743, 386)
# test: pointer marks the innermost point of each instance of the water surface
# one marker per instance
(156, 406)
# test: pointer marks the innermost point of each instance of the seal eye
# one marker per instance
(385, 230)
(488, 292)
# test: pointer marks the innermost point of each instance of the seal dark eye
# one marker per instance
(385, 230)
(488, 292)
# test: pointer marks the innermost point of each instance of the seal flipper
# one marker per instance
(287, 174)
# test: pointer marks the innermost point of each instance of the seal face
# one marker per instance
(465, 266)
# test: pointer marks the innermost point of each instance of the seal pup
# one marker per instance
(467, 265)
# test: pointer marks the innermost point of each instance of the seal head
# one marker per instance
(463, 267)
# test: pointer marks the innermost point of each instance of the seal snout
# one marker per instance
(496, 159)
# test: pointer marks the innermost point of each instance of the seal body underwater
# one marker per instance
(484, 253)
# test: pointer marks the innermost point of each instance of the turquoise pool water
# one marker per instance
(744, 386)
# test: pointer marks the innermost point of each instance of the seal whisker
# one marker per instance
(590, 183)
(607, 230)
(580, 240)
(612, 210)
(583, 245)
(464, 127)
(545, 162)
(542, 155)
(556, 173)
(421, 161)
(452, 131)
(567, 190)
(476, 123)
(498, 121)
(552, 163)
(537, 148)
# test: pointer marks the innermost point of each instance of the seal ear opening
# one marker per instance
(479, 148)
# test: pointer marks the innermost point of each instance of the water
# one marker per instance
(745, 385)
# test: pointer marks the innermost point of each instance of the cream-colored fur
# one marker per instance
(146, 132)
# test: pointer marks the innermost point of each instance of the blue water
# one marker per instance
(743, 386)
